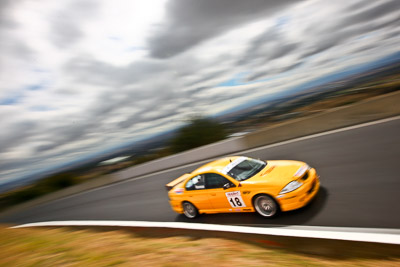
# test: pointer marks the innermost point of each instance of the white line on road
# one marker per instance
(335, 233)
(324, 133)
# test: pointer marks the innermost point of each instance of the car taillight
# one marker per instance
(179, 191)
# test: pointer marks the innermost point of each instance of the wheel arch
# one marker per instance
(185, 200)
(265, 194)
(197, 211)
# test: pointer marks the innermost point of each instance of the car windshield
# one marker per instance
(246, 169)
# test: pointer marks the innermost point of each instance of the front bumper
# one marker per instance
(300, 197)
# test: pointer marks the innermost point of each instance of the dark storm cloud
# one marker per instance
(65, 33)
(10, 164)
(67, 133)
(140, 89)
(129, 122)
(206, 77)
(363, 18)
(108, 102)
(39, 158)
(190, 22)
(46, 147)
(66, 24)
(257, 75)
(367, 18)
(10, 44)
(393, 34)
(16, 133)
(14, 49)
(91, 71)
(22, 50)
(268, 46)
(260, 74)
(17, 48)
(197, 90)
(223, 97)
(337, 34)
(367, 12)
(165, 103)
(142, 117)
(258, 45)
(356, 5)
(143, 85)
(6, 20)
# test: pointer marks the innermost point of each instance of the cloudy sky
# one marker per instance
(81, 76)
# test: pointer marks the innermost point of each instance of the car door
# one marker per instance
(223, 199)
(197, 194)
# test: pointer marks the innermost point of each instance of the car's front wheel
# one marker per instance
(266, 206)
(189, 210)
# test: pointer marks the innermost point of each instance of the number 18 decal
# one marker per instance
(235, 199)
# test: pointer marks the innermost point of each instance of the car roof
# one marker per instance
(215, 166)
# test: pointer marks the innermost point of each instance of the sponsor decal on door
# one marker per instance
(235, 199)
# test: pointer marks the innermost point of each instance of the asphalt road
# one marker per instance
(360, 178)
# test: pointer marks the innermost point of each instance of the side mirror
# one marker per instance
(228, 185)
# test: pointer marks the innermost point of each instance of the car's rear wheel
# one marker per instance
(189, 210)
(266, 206)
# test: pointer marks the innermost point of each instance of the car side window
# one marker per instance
(214, 180)
(196, 183)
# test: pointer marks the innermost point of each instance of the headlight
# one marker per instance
(293, 185)
(300, 172)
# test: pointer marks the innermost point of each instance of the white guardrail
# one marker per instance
(386, 236)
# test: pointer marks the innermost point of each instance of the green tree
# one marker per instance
(200, 131)
(57, 182)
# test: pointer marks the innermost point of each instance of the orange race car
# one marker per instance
(242, 184)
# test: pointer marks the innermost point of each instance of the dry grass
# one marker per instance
(72, 247)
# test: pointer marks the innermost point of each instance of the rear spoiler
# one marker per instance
(177, 181)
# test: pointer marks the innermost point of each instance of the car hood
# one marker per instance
(277, 172)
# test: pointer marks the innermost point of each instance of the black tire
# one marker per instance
(189, 210)
(266, 206)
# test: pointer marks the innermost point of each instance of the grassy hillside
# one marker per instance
(74, 247)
